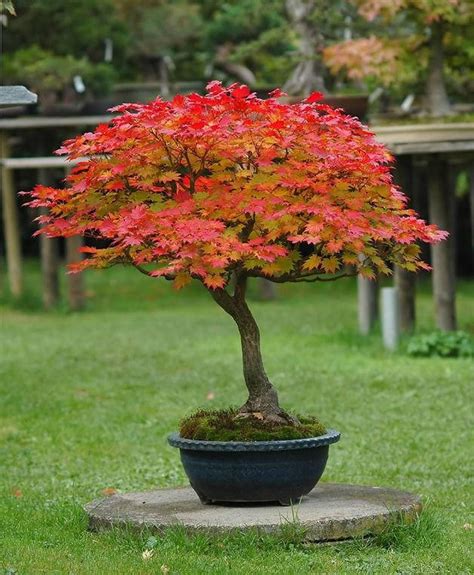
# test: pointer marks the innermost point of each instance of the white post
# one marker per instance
(390, 320)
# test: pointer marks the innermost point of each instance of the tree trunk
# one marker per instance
(164, 78)
(262, 401)
(235, 69)
(436, 95)
(308, 74)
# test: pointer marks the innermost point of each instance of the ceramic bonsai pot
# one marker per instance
(254, 471)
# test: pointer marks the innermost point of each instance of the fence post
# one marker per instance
(390, 317)
(443, 274)
(11, 224)
(49, 256)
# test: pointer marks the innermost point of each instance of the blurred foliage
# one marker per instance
(77, 28)
(160, 29)
(459, 59)
(404, 30)
(43, 71)
(235, 40)
(253, 33)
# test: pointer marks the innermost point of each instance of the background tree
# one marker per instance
(409, 39)
(248, 40)
(313, 25)
(224, 187)
(79, 29)
(308, 74)
(163, 35)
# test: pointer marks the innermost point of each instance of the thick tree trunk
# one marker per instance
(436, 95)
(163, 73)
(308, 74)
(235, 69)
(262, 401)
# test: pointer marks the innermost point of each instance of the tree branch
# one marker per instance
(289, 278)
(141, 269)
(224, 300)
(240, 286)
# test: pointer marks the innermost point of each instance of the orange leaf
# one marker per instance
(182, 279)
(108, 491)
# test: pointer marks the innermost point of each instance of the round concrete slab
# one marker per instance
(330, 512)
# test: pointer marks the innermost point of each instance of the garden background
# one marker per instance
(88, 396)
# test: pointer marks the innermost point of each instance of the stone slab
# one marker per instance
(331, 512)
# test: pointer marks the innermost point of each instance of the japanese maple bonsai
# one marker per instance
(224, 187)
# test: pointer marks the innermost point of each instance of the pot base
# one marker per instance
(283, 502)
(254, 472)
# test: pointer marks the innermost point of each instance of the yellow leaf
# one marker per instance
(330, 265)
(170, 176)
(312, 262)
(367, 272)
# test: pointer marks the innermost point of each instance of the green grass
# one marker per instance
(88, 399)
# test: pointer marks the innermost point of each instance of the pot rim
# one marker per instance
(331, 436)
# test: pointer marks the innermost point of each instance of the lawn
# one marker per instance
(88, 399)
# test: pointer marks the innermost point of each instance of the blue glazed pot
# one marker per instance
(254, 471)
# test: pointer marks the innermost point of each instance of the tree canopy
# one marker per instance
(204, 186)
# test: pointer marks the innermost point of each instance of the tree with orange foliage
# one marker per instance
(417, 37)
(225, 187)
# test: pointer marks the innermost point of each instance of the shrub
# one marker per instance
(442, 344)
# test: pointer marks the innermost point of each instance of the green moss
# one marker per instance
(223, 425)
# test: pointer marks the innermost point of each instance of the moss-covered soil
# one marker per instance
(226, 425)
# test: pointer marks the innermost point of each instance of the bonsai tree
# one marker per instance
(225, 187)
(52, 76)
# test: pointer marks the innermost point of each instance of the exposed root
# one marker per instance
(267, 411)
